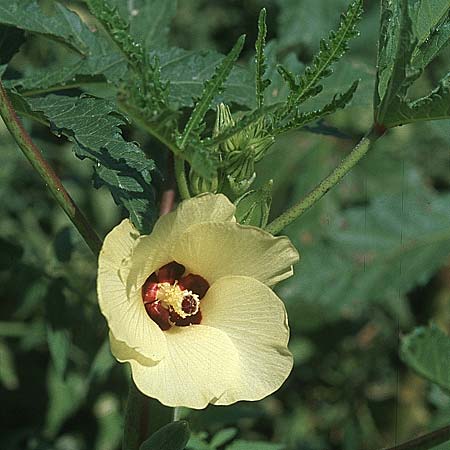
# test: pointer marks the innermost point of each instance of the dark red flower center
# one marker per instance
(172, 298)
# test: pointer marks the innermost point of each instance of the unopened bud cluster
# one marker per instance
(238, 155)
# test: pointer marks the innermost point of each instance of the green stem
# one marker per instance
(180, 176)
(48, 175)
(136, 420)
(327, 183)
(425, 441)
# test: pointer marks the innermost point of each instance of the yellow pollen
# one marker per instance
(172, 295)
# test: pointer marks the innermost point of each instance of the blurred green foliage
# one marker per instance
(375, 263)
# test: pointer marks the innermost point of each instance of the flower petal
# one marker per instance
(201, 365)
(214, 250)
(125, 311)
(156, 247)
(255, 320)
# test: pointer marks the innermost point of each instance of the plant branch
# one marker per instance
(426, 441)
(48, 175)
(327, 183)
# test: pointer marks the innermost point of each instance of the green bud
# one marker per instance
(240, 171)
(253, 207)
(199, 185)
(224, 120)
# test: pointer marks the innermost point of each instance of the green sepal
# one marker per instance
(199, 184)
(253, 207)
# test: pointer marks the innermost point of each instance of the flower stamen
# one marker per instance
(173, 299)
(183, 302)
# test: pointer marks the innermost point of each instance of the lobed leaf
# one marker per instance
(301, 119)
(412, 34)
(374, 254)
(427, 16)
(260, 64)
(434, 106)
(95, 53)
(187, 71)
(395, 49)
(149, 20)
(425, 52)
(211, 88)
(63, 25)
(331, 51)
(93, 125)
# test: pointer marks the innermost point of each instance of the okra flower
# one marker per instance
(190, 305)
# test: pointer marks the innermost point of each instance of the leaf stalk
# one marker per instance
(327, 183)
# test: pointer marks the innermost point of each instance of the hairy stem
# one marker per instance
(48, 175)
(426, 441)
(180, 176)
(326, 184)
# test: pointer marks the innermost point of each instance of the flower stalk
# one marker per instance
(48, 175)
(293, 213)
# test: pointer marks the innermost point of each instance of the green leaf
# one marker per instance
(254, 445)
(63, 25)
(331, 51)
(211, 88)
(426, 16)
(374, 254)
(149, 19)
(187, 71)
(427, 351)
(395, 47)
(429, 49)
(434, 106)
(253, 207)
(339, 101)
(173, 436)
(260, 64)
(93, 125)
(98, 55)
(411, 36)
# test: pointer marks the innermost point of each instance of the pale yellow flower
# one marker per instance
(190, 306)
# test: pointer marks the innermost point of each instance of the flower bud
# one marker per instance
(199, 185)
(253, 207)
